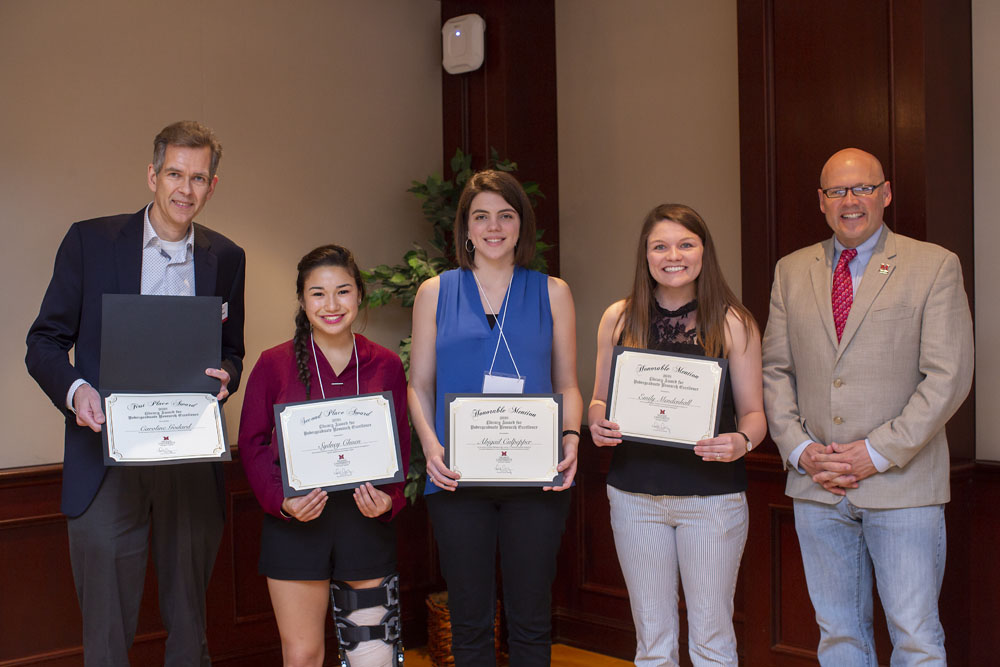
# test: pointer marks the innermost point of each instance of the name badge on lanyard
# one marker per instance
(499, 383)
(494, 383)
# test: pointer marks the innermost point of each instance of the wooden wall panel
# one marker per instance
(822, 104)
(892, 77)
(251, 601)
(899, 87)
(40, 620)
(959, 579)
(983, 574)
(590, 600)
(31, 570)
(775, 598)
(510, 102)
(789, 601)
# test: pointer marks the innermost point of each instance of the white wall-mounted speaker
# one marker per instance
(462, 43)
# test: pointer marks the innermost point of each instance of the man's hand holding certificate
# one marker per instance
(162, 408)
(665, 399)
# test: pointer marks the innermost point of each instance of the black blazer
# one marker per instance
(104, 256)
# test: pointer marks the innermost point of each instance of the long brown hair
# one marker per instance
(715, 299)
(505, 185)
(325, 255)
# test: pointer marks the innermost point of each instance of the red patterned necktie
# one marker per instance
(843, 291)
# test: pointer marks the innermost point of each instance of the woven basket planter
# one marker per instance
(439, 631)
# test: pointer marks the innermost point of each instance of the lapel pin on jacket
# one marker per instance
(883, 268)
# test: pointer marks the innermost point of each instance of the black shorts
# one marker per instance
(341, 543)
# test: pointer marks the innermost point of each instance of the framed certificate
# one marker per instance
(665, 398)
(159, 404)
(337, 443)
(504, 439)
(154, 429)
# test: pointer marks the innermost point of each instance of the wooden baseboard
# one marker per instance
(40, 619)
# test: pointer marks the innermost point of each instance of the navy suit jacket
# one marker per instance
(104, 256)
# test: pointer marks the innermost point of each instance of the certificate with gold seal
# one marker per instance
(665, 398)
(504, 439)
(157, 429)
(337, 443)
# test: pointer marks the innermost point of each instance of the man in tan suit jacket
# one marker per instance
(859, 416)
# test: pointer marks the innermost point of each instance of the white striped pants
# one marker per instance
(699, 537)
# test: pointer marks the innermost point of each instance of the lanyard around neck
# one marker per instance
(357, 365)
(500, 320)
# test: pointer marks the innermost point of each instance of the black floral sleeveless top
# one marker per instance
(637, 467)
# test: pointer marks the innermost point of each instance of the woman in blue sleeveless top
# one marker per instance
(494, 321)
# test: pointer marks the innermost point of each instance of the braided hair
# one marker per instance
(327, 255)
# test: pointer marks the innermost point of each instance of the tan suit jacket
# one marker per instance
(901, 369)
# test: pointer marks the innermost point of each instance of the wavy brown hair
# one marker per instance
(505, 185)
(715, 299)
(326, 255)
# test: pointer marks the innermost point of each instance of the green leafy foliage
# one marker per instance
(399, 282)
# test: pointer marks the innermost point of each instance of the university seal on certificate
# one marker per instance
(155, 429)
(337, 443)
(504, 439)
(665, 398)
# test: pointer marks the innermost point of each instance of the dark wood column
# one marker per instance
(510, 102)
(893, 77)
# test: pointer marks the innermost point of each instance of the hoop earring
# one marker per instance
(470, 247)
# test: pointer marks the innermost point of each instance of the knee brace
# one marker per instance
(346, 600)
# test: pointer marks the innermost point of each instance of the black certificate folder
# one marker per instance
(160, 343)
(157, 397)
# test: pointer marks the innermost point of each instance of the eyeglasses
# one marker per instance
(858, 190)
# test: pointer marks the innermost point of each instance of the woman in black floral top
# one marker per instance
(679, 514)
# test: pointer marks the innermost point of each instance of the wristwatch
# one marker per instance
(747, 438)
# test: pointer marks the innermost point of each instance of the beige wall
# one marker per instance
(648, 114)
(986, 111)
(322, 139)
(326, 111)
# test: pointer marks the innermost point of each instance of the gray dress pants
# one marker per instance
(109, 546)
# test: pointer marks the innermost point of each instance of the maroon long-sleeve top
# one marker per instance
(275, 379)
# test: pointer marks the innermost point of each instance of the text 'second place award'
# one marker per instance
(665, 398)
(150, 429)
(338, 443)
(504, 439)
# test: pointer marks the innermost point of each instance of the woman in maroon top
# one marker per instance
(321, 545)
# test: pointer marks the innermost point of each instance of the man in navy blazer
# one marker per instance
(157, 250)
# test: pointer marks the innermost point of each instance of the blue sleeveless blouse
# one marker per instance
(465, 341)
